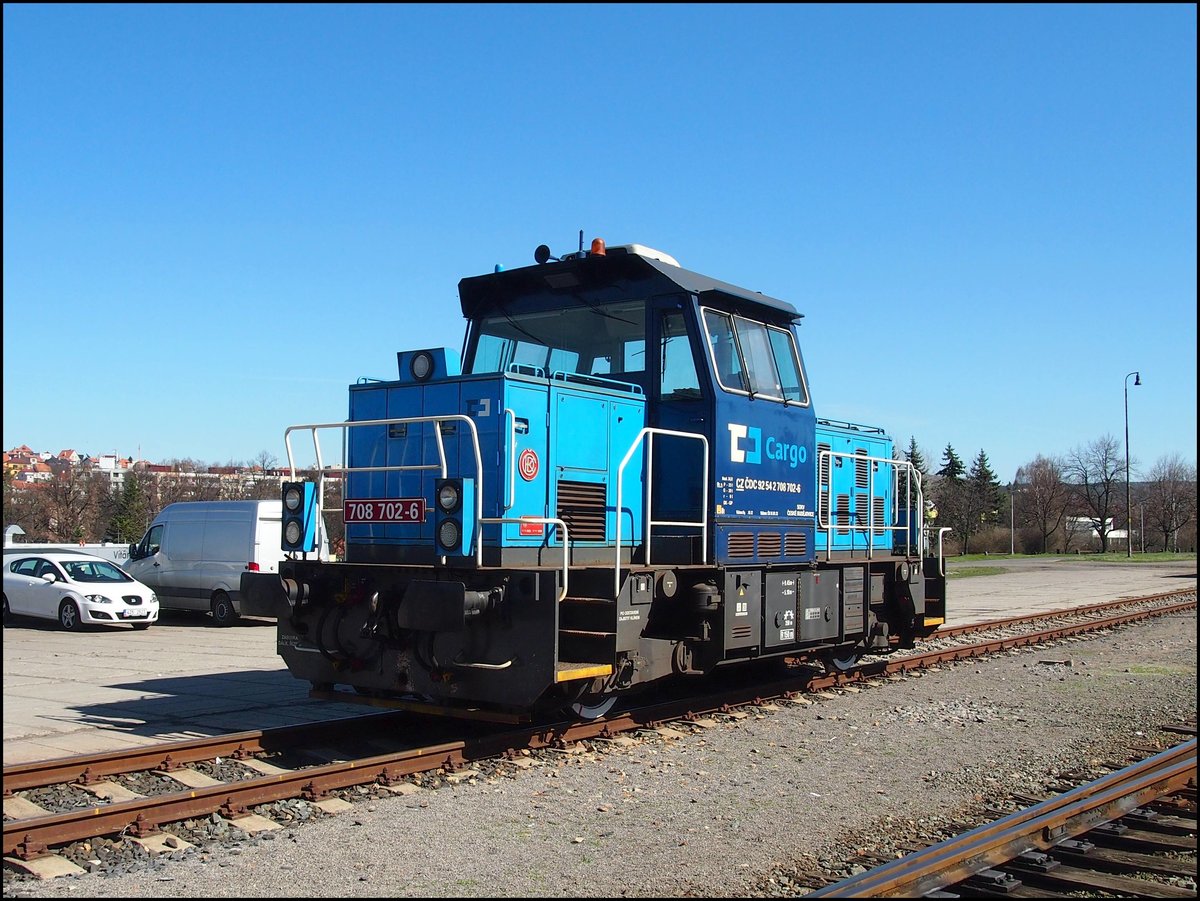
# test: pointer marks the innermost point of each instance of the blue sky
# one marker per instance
(218, 217)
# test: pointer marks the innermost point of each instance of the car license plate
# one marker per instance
(126, 614)
(399, 509)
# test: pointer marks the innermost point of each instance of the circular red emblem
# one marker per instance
(527, 465)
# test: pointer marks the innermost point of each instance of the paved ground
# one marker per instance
(110, 689)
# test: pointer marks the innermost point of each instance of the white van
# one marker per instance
(194, 553)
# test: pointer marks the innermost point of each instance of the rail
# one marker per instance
(1040, 827)
(649, 522)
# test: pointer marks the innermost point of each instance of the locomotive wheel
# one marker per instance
(587, 700)
(842, 664)
(592, 705)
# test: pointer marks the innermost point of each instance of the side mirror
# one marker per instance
(133, 552)
(49, 577)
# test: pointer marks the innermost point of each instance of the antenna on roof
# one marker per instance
(581, 242)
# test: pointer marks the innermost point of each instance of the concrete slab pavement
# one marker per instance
(67, 693)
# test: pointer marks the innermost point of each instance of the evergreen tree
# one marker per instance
(132, 514)
(951, 496)
(984, 490)
(952, 467)
(917, 460)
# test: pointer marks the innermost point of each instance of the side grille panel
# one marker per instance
(741, 544)
(582, 506)
(769, 544)
(795, 544)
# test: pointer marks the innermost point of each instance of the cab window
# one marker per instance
(679, 377)
(722, 344)
(582, 339)
(753, 358)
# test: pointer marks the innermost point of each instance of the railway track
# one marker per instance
(1112, 835)
(139, 795)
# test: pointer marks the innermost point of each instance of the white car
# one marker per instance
(76, 589)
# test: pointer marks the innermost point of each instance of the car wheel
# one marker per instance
(223, 611)
(69, 618)
(7, 615)
(140, 627)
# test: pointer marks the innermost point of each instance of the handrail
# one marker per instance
(583, 378)
(851, 426)
(441, 466)
(510, 416)
(346, 425)
(942, 560)
(825, 523)
(545, 520)
(649, 522)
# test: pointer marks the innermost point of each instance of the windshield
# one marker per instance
(94, 571)
(596, 339)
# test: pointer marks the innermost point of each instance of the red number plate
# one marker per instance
(399, 509)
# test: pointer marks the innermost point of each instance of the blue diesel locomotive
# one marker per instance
(622, 478)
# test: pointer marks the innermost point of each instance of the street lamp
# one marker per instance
(1137, 380)
(1012, 514)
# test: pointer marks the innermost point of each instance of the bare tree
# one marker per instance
(1096, 472)
(21, 506)
(262, 482)
(183, 486)
(1171, 498)
(1043, 498)
(68, 502)
(265, 460)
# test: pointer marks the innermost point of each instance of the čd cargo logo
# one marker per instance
(527, 465)
(746, 445)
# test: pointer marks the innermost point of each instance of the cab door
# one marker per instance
(682, 402)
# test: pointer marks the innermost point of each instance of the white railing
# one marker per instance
(912, 526)
(941, 560)
(545, 520)
(440, 466)
(650, 522)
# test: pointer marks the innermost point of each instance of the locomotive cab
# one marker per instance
(624, 480)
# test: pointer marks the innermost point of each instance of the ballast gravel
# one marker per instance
(756, 804)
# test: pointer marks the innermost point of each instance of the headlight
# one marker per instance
(449, 534)
(292, 532)
(291, 499)
(448, 497)
(98, 599)
(421, 366)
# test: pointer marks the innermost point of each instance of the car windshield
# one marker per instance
(94, 571)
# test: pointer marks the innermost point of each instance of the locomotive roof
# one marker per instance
(619, 273)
